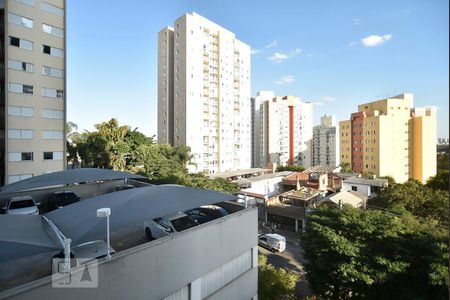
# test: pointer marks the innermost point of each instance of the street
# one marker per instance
(290, 259)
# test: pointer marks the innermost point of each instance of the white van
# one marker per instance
(272, 241)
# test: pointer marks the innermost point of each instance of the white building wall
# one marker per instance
(272, 132)
(363, 189)
(211, 95)
(306, 134)
(325, 142)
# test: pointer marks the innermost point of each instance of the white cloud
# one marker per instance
(271, 45)
(254, 51)
(375, 40)
(288, 79)
(356, 21)
(318, 103)
(328, 98)
(351, 44)
(278, 57)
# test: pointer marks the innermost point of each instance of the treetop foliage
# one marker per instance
(375, 255)
(117, 147)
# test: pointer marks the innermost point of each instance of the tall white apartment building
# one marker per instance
(282, 130)
(32, 88)
(326, 142)
(204, 94)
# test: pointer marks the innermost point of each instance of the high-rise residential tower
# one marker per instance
(325, 142)
(32, 88)
(204, 94)
(390, 137)
(282, 130)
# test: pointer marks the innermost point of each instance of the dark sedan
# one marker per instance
(206, 213)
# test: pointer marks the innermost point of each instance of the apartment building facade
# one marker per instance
(32, 84)
(390, 137)
(325, 142)
(204, 94)
(283, 130)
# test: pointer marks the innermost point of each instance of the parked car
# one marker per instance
(164, 226)
(272, 241)
(206, 213)
(61, 199)
(124, 187)
(21, 205)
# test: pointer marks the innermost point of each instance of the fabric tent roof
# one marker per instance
(80, 223)
(70, 176)
(23, 235)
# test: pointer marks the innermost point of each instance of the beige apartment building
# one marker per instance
(204, 94)
(32, 83)
(390, 137)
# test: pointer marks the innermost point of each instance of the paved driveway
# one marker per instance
(290, 259)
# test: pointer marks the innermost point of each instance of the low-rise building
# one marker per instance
(355, 199)
(365, 186)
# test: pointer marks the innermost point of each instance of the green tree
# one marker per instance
(275, 283)
(375, 255)
(442, 161)
(440, 181)
(293, 168)
(115, 146)
(346, 168)
(71, 147)
(416, 198)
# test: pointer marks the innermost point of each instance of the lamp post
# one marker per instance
(105, 213)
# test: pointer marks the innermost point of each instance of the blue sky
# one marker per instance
(335, 54)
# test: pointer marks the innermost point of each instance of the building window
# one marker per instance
(52, 134)
(53, 51)
(354, 188)
(15, 178)
(57, 155)
(53, 30)
(52, 114)
(20, 65)
(19, 20)
(20, 111)
(20, 88)
(20, 134)
(53, 93)
(53, 72)
(27, 2)
(55, 10)
(21, 43)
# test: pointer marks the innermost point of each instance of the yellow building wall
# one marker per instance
(345, 141)
(371, 150)
(393, 144)
(423, 149)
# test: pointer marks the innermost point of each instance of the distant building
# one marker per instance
(326, 142)
(442, 141)
(204, 94)
(390, 137)
(32, 88)
(282, 130)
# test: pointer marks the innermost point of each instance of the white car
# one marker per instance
(273, 242)
(21, 205)
(164, 226)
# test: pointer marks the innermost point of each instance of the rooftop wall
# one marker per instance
(157, 269)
